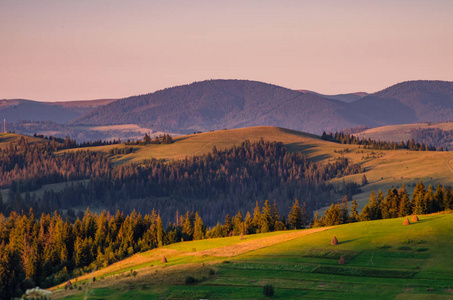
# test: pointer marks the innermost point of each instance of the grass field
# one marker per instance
(384, 260)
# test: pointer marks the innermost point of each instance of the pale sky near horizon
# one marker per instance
(89, 49)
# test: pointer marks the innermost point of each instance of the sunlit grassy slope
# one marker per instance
(384, 169)
(384, 260)
(400, 133)
(7, 138)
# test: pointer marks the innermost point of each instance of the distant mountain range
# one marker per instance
(351, 97)
(15, 110)
(218, 104)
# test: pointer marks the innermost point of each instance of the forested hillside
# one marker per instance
(214, 184)
(218, 104)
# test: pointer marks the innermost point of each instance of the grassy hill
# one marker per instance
(384, 169)
(400, 133)
(7, 138)
(384, 260)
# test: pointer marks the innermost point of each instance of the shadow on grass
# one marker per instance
(307, 149)
(348, 241)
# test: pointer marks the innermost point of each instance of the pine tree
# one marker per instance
(187, 226)
(159, 231)
(366, 214)
(332, 216)
(227, 226)
(405, 205)
(448, 199)
(438, 199)
(238, 224)
(317, 222)
(344, 210)
(429, 200)
(248, 224)
(198, 230)
(354, 213)
(295, 216)
(257, 218)
(267, 223)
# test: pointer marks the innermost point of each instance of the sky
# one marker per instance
(92, 49)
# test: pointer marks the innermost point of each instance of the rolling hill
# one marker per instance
(218, 104)
(384, 168)
(384, 260)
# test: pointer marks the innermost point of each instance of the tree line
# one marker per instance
(437, 137)
(48, 250)
(396, 203)
(344, 138)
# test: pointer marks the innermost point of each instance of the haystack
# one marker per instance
(406, 222)
(342, 261)
(334, 241)
(163, 260)
(414, 219)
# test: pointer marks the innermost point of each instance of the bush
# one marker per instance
(405, 248)
(421, 249)
(268, 290)
(211, 272)
(190, 280)
(408, 241)
(385, 246)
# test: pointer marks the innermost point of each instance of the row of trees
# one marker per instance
(48, 250)
(396, 203)
(344, 138)
(437, 137)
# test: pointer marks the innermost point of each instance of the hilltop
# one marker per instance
(384, 260)
(218, 104)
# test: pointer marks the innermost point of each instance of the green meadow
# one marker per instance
(383, 260)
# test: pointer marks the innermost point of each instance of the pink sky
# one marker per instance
(70, 50)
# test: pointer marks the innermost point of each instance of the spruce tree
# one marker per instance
(198, 229)
(354, 213)
(267, 223)
(439, 199)
(295, 216)
(405, 205)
